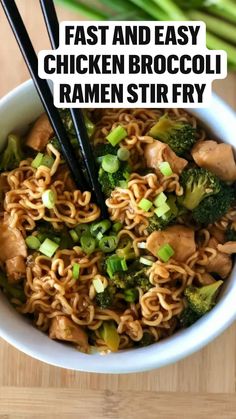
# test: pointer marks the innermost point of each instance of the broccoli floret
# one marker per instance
(214, 207)
(161, 223)
(198, 184)
(135, 276)
(146, 340)
(109, 181)
(12, 155)
(188, 317)
(201, 300)
(125, 249)
(231, 235)
(102, 149)
(158, 223)
(180, 136)
(105, 299)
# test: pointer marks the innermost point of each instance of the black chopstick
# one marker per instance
(51, 20)
(42, 87)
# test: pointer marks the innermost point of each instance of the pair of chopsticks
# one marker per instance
(30, 57)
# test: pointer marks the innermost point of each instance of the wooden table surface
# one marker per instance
(201, 386)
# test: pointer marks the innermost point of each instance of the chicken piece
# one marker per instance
(157, 152)
(229, 248)
(221, 264)
(218, 158)
(40, 133)
(12, 243)
(15, 268)
(206, 279)
(63, 328)
(179, 237)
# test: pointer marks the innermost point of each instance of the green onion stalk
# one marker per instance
(220, 32)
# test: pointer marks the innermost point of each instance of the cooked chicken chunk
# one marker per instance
(218, 158)
(179, 237)
(63, 328)
(157, 152)
(40, 133)
(12, 243)
(217, 233)
(221, 263)
(15, 268)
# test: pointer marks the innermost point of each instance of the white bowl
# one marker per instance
(17, 110)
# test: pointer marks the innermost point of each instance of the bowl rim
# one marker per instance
(168, 351)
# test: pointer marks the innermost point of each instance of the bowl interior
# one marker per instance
(17, 111)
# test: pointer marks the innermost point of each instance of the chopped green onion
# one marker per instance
(123, 264)
(123, 154)
(115, 264)
(110, 163)
(131, 295)
(47, 161)
(165, 168)
(98, 285)
(88, 243)
(146, 261)
(81, 229)
(108, 244)
(123, 184)
(117, 227)
(160, 199)
(110, 335)
(163, 209)
(173, 207)
(32, 242)
(76, 270)
(117, 135)
(49, 199)
(74, 236)
(165, 252)
(37, 161)
(99, 236)
(98, 229)
(145, 204)
(142, 245)
(48, 248)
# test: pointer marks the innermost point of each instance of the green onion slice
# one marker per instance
(48, 248)
(88, 243)
(165, 168)
(32, 242)
(108, 244)
(117, 135)
(100, 227)
(76, 271)
(47, 161)
(81, 229)
(37, 161)
(115, 264)
(145, 204)
(98, 285)
(110, 335)
(163, 209)
(110, 163)
(146, 261)
(74, 236)
(123, 154)
(49, 199)
(160, 199)
(117, 227)
(165, 252)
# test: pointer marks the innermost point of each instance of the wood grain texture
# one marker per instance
(201, 386)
